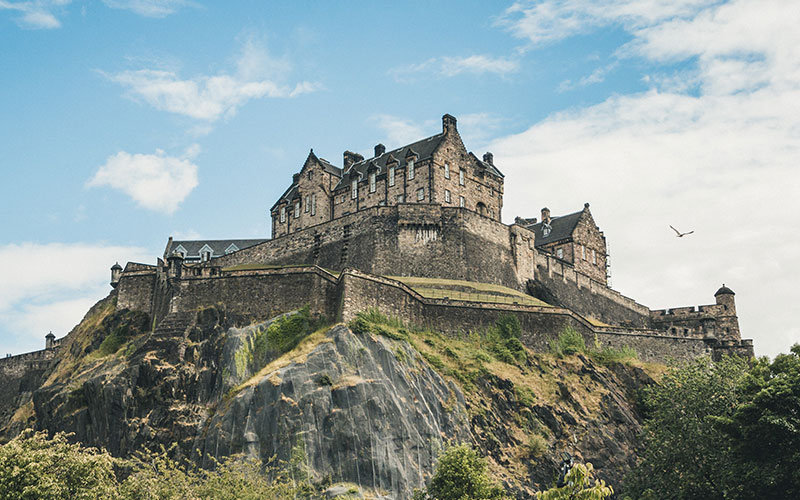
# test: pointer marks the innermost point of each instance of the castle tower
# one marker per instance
(175, 265)
(727, 321)
(49, 340)
(116, 272)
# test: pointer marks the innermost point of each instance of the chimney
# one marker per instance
(546, 215)
(295, 178)
(488, 158)
(448, 123)
(379, 150)
(350, 158)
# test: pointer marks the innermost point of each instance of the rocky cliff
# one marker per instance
(368, 404)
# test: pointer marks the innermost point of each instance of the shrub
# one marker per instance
(503, 340)
(536, 446)
(568, 342)
(460, 474)
(608, 355)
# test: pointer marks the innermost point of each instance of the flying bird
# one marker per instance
(680, 234)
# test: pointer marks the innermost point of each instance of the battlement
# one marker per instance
(33, 360)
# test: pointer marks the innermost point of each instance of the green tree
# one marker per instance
(33, 467)
(461, 474)
(580, 484)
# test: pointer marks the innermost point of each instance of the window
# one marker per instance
(446, 170)
(306, 205)
(314, 204)
(560, 253)
(491, 192)
(461, 202)
(283, 214)
(461, 177)
(372, 182)
(297, 209)
(399, 198)
(583, 252)
(309, 174)
(447, 196)
(354, 189)
(391, 176)
(420, 194)
(410, 169)
(594, 257)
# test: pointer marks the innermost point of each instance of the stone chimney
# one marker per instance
(546, 215)
(488, 158)
(448, 123)
(295, 178)
(350, 158)
(379, 150)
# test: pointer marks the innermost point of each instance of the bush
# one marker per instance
(460, 474)
(536, 446)
(503, 340)
(568, 342)
(608, 355)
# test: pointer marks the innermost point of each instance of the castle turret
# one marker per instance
(49, 340)
(174, 265)
(116, 272)
(727, 321)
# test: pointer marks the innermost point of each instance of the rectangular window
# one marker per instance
(420, 194)
(594, 258)
(283, 214)
(297, 209)
(461, 202)
(446, 170)
(447, 196)
(583, 252)
(314, 204)
(410, 169)
(372, 182)
(307, 205)
(461, 177)
(399, 198)
(491, 192)
(391, 176)
(560, 253)
(354, 189)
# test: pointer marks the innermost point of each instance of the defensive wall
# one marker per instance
(413, 239)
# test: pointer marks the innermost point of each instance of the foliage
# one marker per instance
(461, 474)
(33, 467)
(536, 445)
(122, 328)
(568, 342)
(374, 321)
(609, 355)
(503, 339)
(580, 484)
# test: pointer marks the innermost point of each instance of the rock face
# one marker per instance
(339, 407)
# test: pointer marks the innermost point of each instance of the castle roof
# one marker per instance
(724, 290)
(218, 248)
(561, 228)
(491, 169)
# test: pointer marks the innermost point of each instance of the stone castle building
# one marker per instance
(366, 234)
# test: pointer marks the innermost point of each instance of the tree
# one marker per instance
(461, 474)
(579, 484)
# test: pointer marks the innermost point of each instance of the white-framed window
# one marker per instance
(391, 176)
(462, 202)
(372, 182)
(306, 205)
(297, 209)
(354, 189)
(560, 253)
(205, 253)
(231, 248)
(583, 252)
(283, 214)
(446, 170)
(420, 194)
(313, 203)
(447, 196)
(461, 177)
(399, 198)
(594, 257)
(491, 191)
(410, 169)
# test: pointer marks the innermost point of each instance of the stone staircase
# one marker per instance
(175, 324)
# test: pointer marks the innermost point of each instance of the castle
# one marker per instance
(416, 232)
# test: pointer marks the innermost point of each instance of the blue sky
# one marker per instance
(123, 122)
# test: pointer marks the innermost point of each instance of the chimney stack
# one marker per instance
(295, 178)
(379, 150)
(546, 215)
(350, 158)
(448, 123)
(488, 158)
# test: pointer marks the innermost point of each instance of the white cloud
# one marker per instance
(41, 283)
(209, 98)
(155, 181)
(454, 66)
(398, 131)
(148, 8)
(721, 160)
(36, 14)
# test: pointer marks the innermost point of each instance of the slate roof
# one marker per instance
(423, 149)
(218, 247)
(491, 169)
(560, 228)
(723, 290)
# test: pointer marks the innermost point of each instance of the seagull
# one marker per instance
(680, 234)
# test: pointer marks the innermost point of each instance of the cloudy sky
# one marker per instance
(123, 122)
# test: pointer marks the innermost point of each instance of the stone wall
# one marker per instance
(136, 288)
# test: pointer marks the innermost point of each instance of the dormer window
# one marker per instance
(283, 214)
(461, 177)
(205, 253)
(372, 182)
(410, 169)
(231, 248)
(391, 176)
(546, 228)
(354, 189)
(180, 251)
(446, 170)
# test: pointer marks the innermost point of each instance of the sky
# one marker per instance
(124, 122)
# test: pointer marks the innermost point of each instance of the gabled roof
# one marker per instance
(491, 169)
(423, 149)
(291, 191)
(218, 247)
(560, 228)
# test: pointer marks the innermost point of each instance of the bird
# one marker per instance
(680, 234)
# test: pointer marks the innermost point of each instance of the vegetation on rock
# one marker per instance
(579, 484)
(460, 474)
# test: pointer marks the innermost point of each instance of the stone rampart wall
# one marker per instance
(136, 289)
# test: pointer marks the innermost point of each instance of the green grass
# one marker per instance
(571, 342)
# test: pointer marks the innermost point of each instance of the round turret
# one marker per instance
(724, 290)
(116, 272)
(49, 339)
